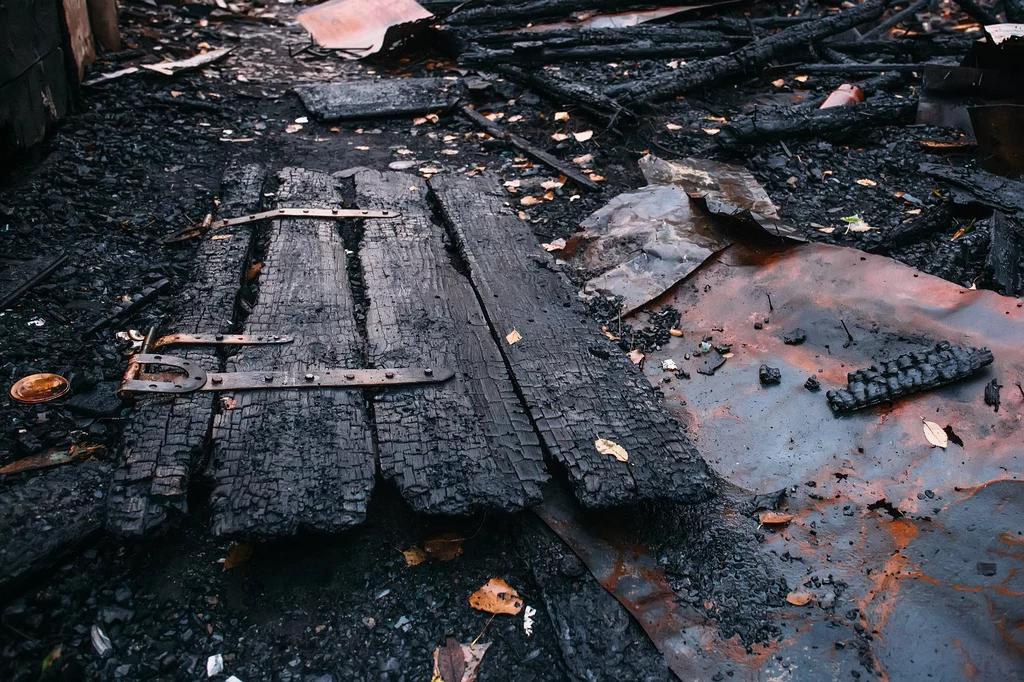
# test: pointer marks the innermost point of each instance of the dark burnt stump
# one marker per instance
(295, 458)
(166, 437)
(463, 445)
(576, 386)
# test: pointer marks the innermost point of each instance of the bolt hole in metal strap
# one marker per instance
(195, 378)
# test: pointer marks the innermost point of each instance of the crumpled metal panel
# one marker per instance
(911, 557)
(358, 25)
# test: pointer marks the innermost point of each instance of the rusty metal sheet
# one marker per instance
(358, 26)
(910, 557)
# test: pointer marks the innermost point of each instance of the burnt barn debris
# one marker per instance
(545, 340)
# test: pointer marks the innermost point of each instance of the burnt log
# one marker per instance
(165, 439)
(541, 53)
(466, 444)
(889, 380)
(896, 19)
(914, 230)
(992, 190)
(779, 123)
(289, 459)
(582, 37)
(746, 60)
(594, 104)
(576, 385)
(531, 10)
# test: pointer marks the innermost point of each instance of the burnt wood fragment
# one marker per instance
(895, 20)
(530, 10)
(576, 386)
(36, 278)
(594, 104)
(934, 221)
(392, 97)
(527, 148)
(992, 394)
(992, 190)
(165, 439)
(541, 53)
(289, 459)
(746, 60)
(1006, 252)
(910, 373)
(779, 123)
(464, 445)
(136, 303)
(579, 37)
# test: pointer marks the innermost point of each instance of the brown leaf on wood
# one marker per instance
(451, 662)
(238, 554)
(771, 518)
(496, 597)
(444, 547)
(253, 272)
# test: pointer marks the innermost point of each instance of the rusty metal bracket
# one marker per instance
(326, 213)
(195, 378)
(220, 340)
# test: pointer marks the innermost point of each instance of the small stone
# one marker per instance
(795, 337)
(812, 384)
(571, 566)
(769, 375)
(758, 325)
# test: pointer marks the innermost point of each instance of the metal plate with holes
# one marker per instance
(194, 378)
(328, 213)
(220, 340)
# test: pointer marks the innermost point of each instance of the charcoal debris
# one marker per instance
(992, 393)
(769, 376)
(812, 384)
(794, 337)
(907, 374)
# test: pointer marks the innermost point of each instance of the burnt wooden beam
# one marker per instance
(375, 99)
(535, 9)
(578, 37)
(466, 444)
(576, 385)
(529, 149)
(778, 123)
(564, 92)
(746, 60)
(895, 20)
(990, 189)
(289, 459)
(166, 438)
(541, 53)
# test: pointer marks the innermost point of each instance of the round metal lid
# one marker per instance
(40, 388)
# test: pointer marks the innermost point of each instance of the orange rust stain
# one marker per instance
(1011, 538)
(1005, 591)
(886, 584)
(970, 670)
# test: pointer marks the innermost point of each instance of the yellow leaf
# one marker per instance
(865, 182)
(799, 598)
(935, 435)
(607, 447)
(414, 556)
(496, 597)
(513, 337)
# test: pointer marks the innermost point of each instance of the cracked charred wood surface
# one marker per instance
(47, 516)
(290, 459)
(907, 374)
(935, 220)
(576, 386)
(779, 123)
(541, 53)
(592, 103)
(166, 437)
(580, 37)
(466, 444)
(395, 97)
(535, 9)
(990, 189)
(745, 60)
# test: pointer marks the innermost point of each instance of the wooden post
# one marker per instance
(103, 18)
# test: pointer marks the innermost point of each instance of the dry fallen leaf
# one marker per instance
(450, 661)
(935, 434)
(419, 121)
(515, 119)
(607, 447)
(596, 178)
(472, 656)
(556, 245)
(867, 183)
(604, 330)
(636, 356)
(799, 598)
(586, 158)
(253, 272)
(827, 230)
(238, 554)
(675, 332)
(771, 518)
(414, 556)
(444, 547)
(531, 201)
(495, 116)
(673, 126)
(584, 136)
(801, 79)
(513, 337)
(561, 115)
(553, 184)
(558, 137)
(779, 82)
(496, 597)
(293, 128)
(711, 131)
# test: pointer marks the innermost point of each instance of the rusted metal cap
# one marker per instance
(40, 388)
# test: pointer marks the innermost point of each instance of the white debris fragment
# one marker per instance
(37, 322)
(100, 642)
(669, 365)
(528, 613)
(214, 665)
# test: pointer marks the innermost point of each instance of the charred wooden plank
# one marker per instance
(285, 460)
(745, 60)
(1006, 252)
(541, 53)
(563, 91)
(988, 188)
(394, 97)
(451, 448)
(934, 221)
(910, 373)
(530, 150)
(576, 386)
(778, 123)
(165, 439)
(577, 37)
